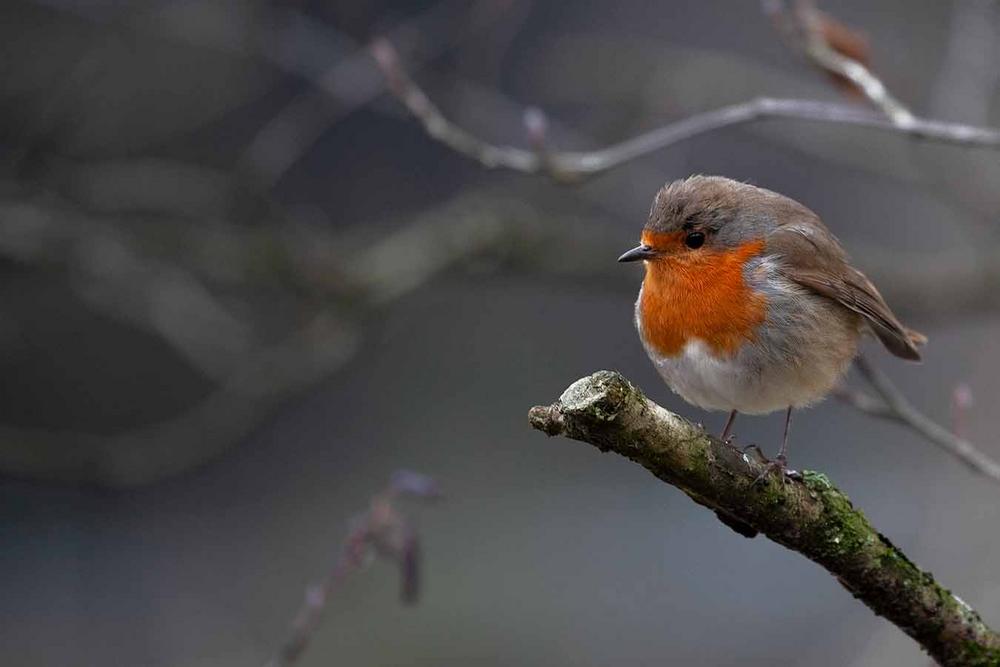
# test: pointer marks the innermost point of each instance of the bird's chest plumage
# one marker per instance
(702, 298)
(735, 336)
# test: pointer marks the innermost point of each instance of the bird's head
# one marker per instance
(703, 215)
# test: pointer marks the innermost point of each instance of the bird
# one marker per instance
(749, 304)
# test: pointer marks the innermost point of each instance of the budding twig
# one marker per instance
(381, 531)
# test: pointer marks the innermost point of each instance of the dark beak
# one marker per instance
(635, 254)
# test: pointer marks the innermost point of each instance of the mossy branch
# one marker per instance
(809, 516)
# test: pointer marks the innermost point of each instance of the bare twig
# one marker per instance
(572, 166)
(890, 403)
(381, 531)
(809, 516)
(863, 401)
(803, 27)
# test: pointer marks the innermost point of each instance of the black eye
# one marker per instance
(694, 240)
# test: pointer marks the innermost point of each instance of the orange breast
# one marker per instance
(700, 295)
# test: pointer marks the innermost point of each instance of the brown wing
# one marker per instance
(812, 258)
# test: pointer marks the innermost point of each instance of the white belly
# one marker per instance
(739, 384)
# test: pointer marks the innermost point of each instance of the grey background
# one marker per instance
(545, 552)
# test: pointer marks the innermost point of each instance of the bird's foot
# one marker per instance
(780, 466)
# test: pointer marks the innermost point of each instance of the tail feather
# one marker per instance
(899, 340)
(915, 337)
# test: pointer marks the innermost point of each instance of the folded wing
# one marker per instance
(813, 258)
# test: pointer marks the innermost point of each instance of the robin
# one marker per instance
(749, 304)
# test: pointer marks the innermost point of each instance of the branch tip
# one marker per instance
(546, 419)
(603, 394)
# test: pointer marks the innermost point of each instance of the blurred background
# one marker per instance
(241, 286)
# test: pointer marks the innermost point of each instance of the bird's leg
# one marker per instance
(782, 453)
(729, 425)
(780, 462)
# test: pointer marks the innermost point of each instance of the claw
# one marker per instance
(779, 465)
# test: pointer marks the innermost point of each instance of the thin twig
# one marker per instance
(803, 27)
(572, 166)
(891, 404)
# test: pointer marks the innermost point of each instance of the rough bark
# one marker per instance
(808, 515)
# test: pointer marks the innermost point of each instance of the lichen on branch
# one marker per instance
(808, 515)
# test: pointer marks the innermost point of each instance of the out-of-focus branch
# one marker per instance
(219, 420)
(383, 532)
(337, 68)
(349, 82)
(165, 300)
(890, 403)
(572, 166)
(803, 28)
(113, 276)
(863, 401)
(810, 516)
(117, 274)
